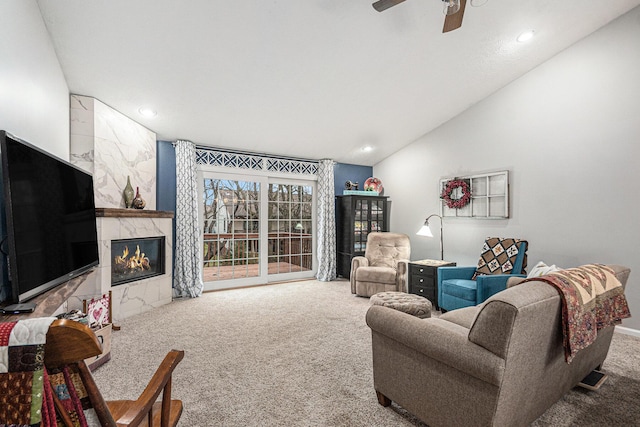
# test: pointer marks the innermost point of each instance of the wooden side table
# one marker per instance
(423, 278)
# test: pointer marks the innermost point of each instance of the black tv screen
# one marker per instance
(49, 230)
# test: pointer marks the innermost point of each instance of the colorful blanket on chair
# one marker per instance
(26, 387)
(592, 298)
(498, 256)
(68, 387)
(22, 373)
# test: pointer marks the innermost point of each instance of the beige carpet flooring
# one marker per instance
(299, 354)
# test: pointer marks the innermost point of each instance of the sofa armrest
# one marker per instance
(356, 262)
(622, 273)
(437, 339)
(402, 274)
(515, 279)
(491, 284)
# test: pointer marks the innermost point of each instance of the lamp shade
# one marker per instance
(425, 231)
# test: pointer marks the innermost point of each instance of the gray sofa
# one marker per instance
(498, 364)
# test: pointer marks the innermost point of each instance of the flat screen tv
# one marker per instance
(48, 220)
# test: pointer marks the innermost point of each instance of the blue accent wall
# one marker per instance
(166, 184)
(343, 172)
(165, 176)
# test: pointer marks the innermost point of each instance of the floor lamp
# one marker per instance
(426, 231)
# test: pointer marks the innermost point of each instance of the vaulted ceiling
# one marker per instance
(305, 78)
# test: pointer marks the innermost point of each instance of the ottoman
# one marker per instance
(409, 303)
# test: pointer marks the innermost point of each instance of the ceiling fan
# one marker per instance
(453, 9)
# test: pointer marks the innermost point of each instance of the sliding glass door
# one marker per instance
(256, 230)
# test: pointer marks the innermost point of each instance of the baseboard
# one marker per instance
(628, 331)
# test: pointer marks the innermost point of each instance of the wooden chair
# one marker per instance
(69, 343)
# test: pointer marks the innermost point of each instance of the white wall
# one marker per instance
(569, 133)
(34, 97)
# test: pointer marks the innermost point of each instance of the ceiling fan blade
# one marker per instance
(453, 22)
(381, 5)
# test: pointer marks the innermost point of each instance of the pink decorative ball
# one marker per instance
(373, 184)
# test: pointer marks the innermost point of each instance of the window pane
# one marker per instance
(284, 211)
(231, 228)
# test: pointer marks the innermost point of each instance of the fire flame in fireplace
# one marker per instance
(135, 262)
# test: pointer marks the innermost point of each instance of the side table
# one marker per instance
(423, 278)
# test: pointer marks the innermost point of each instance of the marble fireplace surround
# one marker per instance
(112, 147)
(135, 297)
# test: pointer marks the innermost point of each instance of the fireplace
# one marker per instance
(136, 259)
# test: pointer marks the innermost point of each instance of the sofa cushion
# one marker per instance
(461, 288)
(462, 316)
(376, 274)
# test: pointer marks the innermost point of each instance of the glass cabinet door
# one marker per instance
(377, 215)
(368, 217)
(361, 225)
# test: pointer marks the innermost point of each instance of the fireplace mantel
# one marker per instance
(131, 213)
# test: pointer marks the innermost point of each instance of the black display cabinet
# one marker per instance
(356, 217)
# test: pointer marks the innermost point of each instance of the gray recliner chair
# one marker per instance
(384, 265)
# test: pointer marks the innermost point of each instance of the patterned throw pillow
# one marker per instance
(498, 255)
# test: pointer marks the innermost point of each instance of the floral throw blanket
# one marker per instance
(592, 298)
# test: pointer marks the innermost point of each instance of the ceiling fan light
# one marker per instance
(478, 3)
(451, 6)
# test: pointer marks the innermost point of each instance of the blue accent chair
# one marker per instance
(457, 290)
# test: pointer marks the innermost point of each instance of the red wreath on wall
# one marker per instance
(448, 190)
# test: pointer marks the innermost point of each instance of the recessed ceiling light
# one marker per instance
(526, 36)
(367, 148)
(147, 112)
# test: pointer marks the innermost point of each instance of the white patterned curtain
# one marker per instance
(187, 281)
(326, 222)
